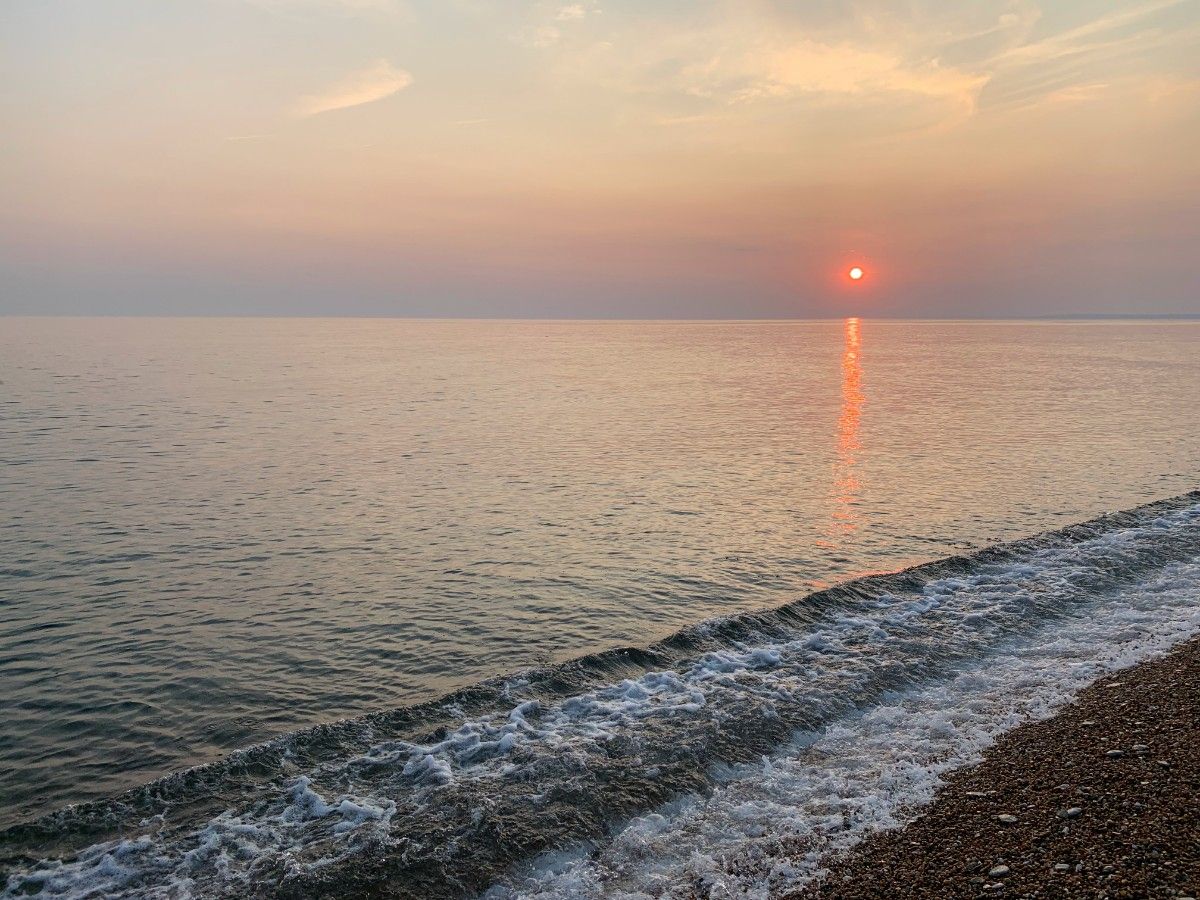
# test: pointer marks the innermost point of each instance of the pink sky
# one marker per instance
(666, 159)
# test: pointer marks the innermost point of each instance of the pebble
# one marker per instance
(1049, 773)
(1088, 724)
(998, 872)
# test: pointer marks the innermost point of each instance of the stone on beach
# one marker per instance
(1140, 837)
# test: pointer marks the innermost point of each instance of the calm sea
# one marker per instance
(215, 532)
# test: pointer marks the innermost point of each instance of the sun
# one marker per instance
(856, 273)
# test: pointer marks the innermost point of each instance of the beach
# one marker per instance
(1103, 797)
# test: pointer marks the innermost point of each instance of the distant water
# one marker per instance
(216, 532)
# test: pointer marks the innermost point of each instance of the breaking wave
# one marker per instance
(728, 760)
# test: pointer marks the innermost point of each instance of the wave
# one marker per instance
(738, 752)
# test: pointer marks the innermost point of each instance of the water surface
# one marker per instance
(218, 531)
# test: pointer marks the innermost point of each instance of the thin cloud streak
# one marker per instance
(1071, 42)
(293, 8)
(376, 82)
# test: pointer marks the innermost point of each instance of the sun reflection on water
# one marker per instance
(847, 483)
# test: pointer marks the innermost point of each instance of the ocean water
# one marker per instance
(354, 581)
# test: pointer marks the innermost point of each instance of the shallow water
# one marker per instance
(729, 760)
(218, 531)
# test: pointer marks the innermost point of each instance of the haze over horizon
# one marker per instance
(604, 158)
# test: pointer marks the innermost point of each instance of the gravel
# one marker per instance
(1082, 819)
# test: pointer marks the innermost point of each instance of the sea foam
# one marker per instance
(729, 761)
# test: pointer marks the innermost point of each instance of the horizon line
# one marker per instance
(1058, 317)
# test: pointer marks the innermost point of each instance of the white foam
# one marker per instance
(822, 666)
(227, 852)
(769, 827)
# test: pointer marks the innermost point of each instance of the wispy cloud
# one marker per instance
(1068, 65)
(570, 12)
(544, 36)
(812, 67)
(379, 80)
(1094, 35)
(928, 64)
(744, 62)
(390, 8)
(549, 31)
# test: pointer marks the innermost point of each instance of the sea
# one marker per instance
(556, 609)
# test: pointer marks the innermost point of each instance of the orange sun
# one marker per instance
(856, 273)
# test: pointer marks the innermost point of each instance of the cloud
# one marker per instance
(816, 68)
(571, 12)
(920, 62)
(390, 8)
(731, 66)
(544, 36)
(547, 30)
(377, 81)
(1068, 65)
(1073, 42)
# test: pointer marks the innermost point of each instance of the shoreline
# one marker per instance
(580, 672)
(951, 653)
(1102, 800)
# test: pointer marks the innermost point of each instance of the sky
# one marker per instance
(600, 158)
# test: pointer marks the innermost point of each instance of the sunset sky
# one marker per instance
(611, 158)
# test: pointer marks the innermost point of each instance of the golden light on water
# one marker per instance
(847, 486)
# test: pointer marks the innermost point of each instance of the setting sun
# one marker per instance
(765, 341)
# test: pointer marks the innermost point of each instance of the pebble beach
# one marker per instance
(1100, 801)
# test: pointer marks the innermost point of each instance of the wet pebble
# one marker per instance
(1138, 839)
